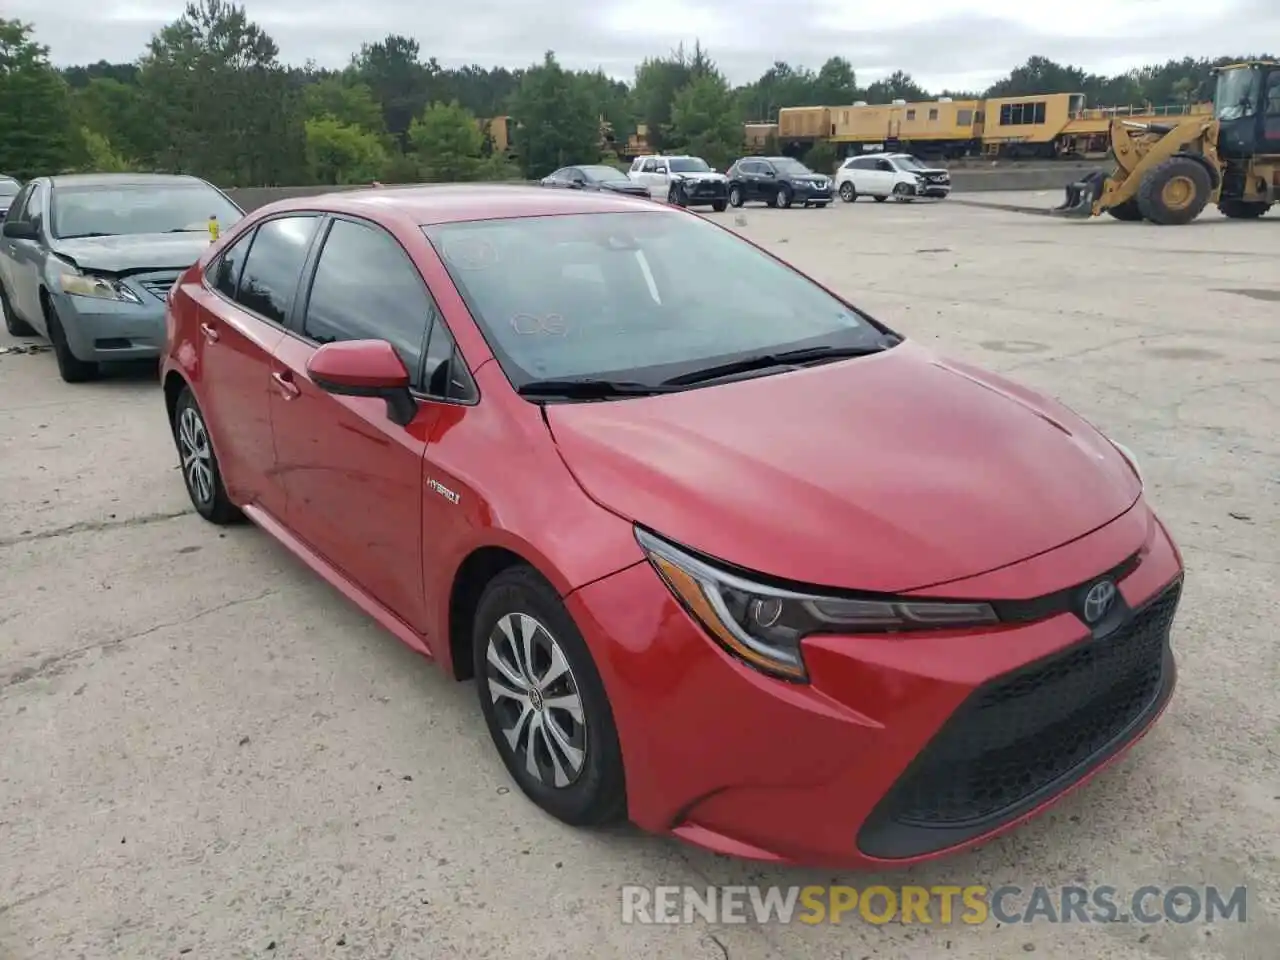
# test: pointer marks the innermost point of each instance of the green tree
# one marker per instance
(352, 103)
(556, 123)
(99, 155)
(341, 153)
(448, 143)
(705, 121)
(897, 86)
(836, 84)
(35, 107)
(228, 109)
(657, 81)
(117, 111)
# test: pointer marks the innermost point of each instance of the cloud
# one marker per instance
(948, 43)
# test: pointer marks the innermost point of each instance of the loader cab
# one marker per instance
(1246, 104)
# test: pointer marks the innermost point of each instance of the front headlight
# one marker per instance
(97, 288)
(764, 625)
(1132, 459)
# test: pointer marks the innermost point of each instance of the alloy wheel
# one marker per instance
(197, 456)
(536, 700)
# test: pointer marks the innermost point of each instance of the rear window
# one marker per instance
(646, 295)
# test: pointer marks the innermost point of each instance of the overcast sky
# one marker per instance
(943, 43)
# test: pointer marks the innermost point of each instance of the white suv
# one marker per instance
(682, 180)
(884, 175)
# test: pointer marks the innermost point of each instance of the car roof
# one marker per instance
(455, 203)
(121, 179)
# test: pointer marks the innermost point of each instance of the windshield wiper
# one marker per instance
(83, 236)
(782, 358)
(588, 387)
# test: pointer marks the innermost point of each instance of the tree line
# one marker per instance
(210, 96)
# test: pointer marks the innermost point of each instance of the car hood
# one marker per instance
(711, 176)
(159, 251)
(887, 473)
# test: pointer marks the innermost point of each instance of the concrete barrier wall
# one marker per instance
(1040, 177)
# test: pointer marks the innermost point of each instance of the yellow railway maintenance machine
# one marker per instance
(1168, 172)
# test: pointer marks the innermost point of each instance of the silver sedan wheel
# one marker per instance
(197, 456)
(536, 700)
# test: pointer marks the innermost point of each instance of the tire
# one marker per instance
(735, 196)
(1127, 211)
(676, 196)
(18, 328)
(881, 199)
(782, 198)
(718, 206)
(848, 192)
(588, 787)
(70, 367)
(1174, 192)
(821, 206)
(195, 450)
(901, 194)
(1240, 209)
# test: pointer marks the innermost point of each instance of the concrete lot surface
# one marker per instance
(207, 753)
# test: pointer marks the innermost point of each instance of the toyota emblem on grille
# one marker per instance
(1098, 601)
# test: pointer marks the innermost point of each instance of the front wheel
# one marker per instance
(675, 197)
(544, 703)
(902, 193)
(200, 471)
(782, 198)
(848, 193)
(1175, 191)
(70, 367)
(735, 196)
(881, 199)
(718, 206)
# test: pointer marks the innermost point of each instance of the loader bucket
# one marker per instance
(1081, 196)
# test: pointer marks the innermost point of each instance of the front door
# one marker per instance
(244, 305)
(1271, 114)
(355, 478)
(26, 258)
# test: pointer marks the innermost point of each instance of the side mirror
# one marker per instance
(21, 230)
(365, 368)
(770, 174)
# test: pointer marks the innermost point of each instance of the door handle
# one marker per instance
(284, 383)
(210, 332)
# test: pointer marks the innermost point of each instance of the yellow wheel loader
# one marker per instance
(1169, 172)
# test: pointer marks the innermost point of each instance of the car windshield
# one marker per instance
(1235, 94)
(635, 296)
(689, 165)
(117, 210)
(787, 165)
(603, 173)
(909, 163)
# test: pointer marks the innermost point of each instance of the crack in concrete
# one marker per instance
(94, 526)
(59, 663)
(31, 897)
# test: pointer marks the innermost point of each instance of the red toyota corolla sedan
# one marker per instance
(725, 555)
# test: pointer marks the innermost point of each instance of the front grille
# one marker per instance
(1028, 735)
(158, 286)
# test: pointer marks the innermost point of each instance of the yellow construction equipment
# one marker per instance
(1168, 172)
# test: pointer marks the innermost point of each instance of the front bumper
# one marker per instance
(697, 194)
(935, 190)
(900, 748)
(807, 194)
(108, 330)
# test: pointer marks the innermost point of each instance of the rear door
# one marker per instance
(244, 304)
(9, 248)
(355, 478)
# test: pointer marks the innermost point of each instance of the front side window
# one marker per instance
(367, 288)
(273, 267)
(224, 273)
(791, 168)
(1236, 93)
(131, 209)
(635, 296)
(603, 174)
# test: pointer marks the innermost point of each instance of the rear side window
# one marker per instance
(225, 271)
(274, 266)
(367, 288)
